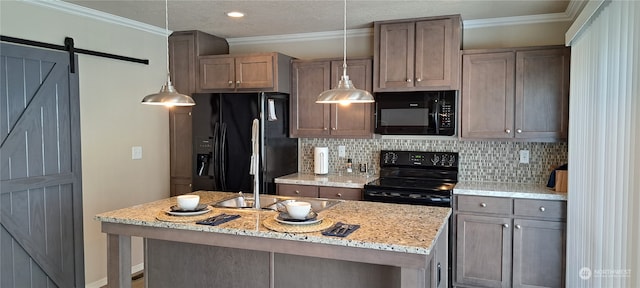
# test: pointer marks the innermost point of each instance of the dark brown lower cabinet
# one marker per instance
(538, 253)
(319, 191)
(505, 242)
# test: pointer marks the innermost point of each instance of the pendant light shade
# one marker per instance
(345, 92)
(168, 96)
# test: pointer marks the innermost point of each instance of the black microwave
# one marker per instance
(416, 113)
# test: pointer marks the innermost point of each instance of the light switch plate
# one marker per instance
(342, 151)
(524, 156)
(136, 152)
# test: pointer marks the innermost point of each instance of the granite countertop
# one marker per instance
(390, 227)
(514, 190)
(356, 180)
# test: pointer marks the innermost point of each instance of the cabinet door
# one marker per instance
(254, 72)
(182, 62)
(488, 95)
(483, 251)
(340, 193)
(435, 65)
(217, 73)
(542, 93)
(309, 79)
(181, 150)
(297, 190)
(538, 253)
(396, 55)
(354, 119)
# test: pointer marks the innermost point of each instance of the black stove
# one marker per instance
(414, 177)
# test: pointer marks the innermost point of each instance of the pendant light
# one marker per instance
(168, 96)
(345, 92)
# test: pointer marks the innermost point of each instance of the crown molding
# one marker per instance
(517, 20)
(98, 15)
(299, 37)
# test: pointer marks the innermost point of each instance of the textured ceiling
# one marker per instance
(265, 18)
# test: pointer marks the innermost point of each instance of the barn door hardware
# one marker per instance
(69, 47)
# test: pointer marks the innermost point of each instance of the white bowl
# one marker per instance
(298, 209)
(188, 202)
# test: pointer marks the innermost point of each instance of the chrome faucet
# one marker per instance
(255, 162)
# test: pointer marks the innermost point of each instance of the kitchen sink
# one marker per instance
(273, 202)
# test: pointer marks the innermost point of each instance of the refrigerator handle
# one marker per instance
(215, 156)
(223, 158)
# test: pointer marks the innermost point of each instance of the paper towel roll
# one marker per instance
(321, 160)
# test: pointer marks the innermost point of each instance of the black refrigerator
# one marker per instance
(222, 147)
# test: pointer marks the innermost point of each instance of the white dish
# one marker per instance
(310, 221)
(189, 213)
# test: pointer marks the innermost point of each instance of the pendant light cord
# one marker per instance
(166, 35)
(344, 45)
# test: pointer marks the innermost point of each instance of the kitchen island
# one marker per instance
(395, 246)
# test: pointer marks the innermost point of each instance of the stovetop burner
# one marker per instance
(411, 177)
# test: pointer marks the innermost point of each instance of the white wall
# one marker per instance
(112, 118)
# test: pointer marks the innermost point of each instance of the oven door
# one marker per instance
(407, 196)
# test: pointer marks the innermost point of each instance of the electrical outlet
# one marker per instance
(342, 151)
(524, 156)
(136, 152)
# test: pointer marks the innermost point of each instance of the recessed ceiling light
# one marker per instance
(235, 14)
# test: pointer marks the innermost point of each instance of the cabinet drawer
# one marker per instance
(340, 193)
(480, 204)
(540, 208)
(298, 190)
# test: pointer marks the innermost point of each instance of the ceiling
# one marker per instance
(266, 17)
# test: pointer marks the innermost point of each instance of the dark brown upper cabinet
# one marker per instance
(262, 72)
(417, 54)
(309, 119)
(519, 94)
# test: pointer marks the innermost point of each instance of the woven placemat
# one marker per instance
(163, 216)
(274, 225)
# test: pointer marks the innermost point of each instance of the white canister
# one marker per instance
(321, 160)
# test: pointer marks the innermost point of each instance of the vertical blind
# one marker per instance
(603, 223)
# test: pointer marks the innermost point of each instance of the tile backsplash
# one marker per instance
(486, 161)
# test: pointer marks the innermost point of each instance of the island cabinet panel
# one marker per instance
(184, 49)
(509, 242)
(517, 94)
(417, 54)
(300, 271)
(175, 264)
(261, 72)
(310, 119)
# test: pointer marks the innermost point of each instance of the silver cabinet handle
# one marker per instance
(230, 82)
(237, 81)
(325, 128)
(519, 131)
(339, 195)
(518, 226)
(505, 225)
(297, 192)
(542, 209)
(508, 131)
(334, 128)
(409, 80)
(419, 79)
(483, 204)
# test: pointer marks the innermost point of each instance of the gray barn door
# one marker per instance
(41, 243)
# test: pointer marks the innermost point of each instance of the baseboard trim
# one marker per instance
(135, 271)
